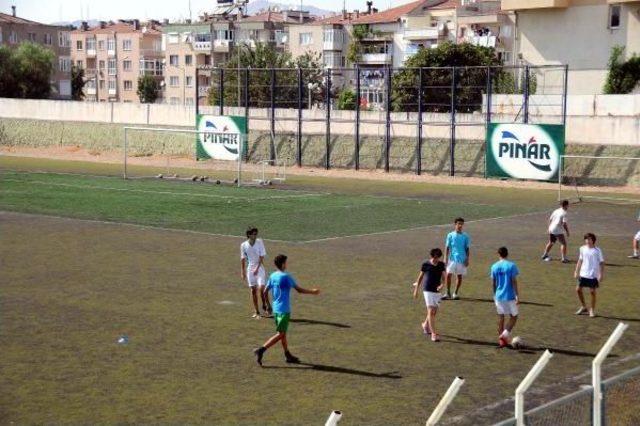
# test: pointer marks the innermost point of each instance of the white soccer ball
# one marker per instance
(517, 342)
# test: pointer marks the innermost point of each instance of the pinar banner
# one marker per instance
(524, 151)
(220, 137)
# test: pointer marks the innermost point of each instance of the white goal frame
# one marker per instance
(586, 194)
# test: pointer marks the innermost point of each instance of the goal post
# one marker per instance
(599, 178)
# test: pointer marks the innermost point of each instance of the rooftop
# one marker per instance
(395, 13)
(120, 27)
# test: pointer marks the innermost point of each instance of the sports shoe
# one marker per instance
(290, 359)
(256, 315)
(259, 353)
(634, 256)
(502, 342)
(426, 329)
(592, 313)
(435, 337)
(565, 260)
(455, 296)
(445, 296)
(581, 311)
(545, 257)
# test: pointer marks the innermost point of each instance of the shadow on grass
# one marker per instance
(525, 349)
(316, 322)
(621, 265)
(473, 299)
(619, 318)
(341, 370)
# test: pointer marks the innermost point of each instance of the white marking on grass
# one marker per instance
(226, 302)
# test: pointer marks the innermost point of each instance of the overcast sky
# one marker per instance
(69, 10)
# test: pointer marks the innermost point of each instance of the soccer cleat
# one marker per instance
(634, 256)
(290, 359)
(445, 296)
(581, 311)
(259, 353)
(545, 257)
(592, 313)
(455, 296)
(256, 315)
(502, 342)
(565, 260)
(435, 337)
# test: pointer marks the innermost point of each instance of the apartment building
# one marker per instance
(114, 55)
(580, 33)
(15, 30)
(271, 27)
(484, 23)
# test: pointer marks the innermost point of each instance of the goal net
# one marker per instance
(175, 154)
(610, 179)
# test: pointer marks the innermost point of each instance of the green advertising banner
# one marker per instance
(524, 151)
(222, 137)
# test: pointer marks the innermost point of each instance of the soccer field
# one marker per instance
(86, 259)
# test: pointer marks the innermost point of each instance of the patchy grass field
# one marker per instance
(69, 287)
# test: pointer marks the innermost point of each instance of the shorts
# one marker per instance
(637, 237)
(432, 299)
(507, 307)
(557, 237)
(456, 268)
(256, 280)
(588, 282)
(282, 322)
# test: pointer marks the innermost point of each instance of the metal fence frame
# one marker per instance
(422, 85)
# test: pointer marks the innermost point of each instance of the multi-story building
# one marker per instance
(484, 23)
(115, 55)
(271, 27)
(580, 33)
(15, 30)
(328, 37)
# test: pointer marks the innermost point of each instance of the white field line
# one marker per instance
(185, 194)
(135, 225)
(415, 228)
(541, 390)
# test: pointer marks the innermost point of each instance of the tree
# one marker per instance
(347, 99)
(26, 72)
(77, 83)
(355, 49)
(148, 89)
(622, 76)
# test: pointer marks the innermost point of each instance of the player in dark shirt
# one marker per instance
(430, 279)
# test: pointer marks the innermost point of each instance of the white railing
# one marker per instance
(91, 52)
(221, 45)
(376, 58)
(91, 90)
(425, 33)
(201, 45)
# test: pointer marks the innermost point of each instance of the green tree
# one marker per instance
(148, 88)
(26, 72)
(346, 99)
(356, 49)
(77, 83)
(623, 76)
(8, 74)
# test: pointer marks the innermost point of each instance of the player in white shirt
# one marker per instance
(558, 228)
(636, 244)
(589, 272)
(252, 254)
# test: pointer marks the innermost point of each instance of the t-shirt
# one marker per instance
(432, 275)
(591, 259)
(252, 252)
(280, 284)
(503, 272)
(556, 220)
(458, 243)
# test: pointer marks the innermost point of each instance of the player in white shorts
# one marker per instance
(252, 254)
(636, 244)
(505, 294)
(456, 257)
(558, 228)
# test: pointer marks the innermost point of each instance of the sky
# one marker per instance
(48, 11)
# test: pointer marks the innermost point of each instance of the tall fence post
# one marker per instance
(526, 384)
(221, 91)
(246, 111)
(419, 132)
(565, 83)
(357, 129)
(449, 395)
(596, 371)
(272, 147)
(197, 97)
(489, 101)
(334, 418)
(452, 133)
(525, 92)
(327, 142)
(299, 136)
(126, 146)
(387, 129)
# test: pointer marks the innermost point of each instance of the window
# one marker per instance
(112, 85)
(128, 85)
(33, 37)
(112, 66)
(173, 60)
(126, 44)
(100, 44)
(174, 101)
(126, 65)
(305, 39)
(47, 39)
(91, 43)
(63, 39)
(188, 81)
(174, 81)
(101, 65)
(614, 16)
(188, 60)
(203, 37)
(188, 101)
(332, 59)
(64, 64)
(79, 64)
(78, 44)
(111, 44)
(173, 38)
(13, 37)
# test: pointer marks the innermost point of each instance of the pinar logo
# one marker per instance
(525, 151)
(220, 137)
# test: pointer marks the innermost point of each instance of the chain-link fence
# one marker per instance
(422, 120)
(621, 399)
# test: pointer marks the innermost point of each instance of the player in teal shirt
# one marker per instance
(505, 294)
(456, 257)
(280, 284)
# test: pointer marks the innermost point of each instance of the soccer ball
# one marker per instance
(517, 342)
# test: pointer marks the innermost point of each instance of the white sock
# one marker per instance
(505, 334)
(635, 252)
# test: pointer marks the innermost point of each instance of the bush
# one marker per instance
(623, 76)
(347, 99)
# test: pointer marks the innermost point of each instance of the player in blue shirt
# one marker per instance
(280, 284)
(456, 257)
(505, 294)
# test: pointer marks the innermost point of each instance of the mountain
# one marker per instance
(77, 23)
(256, 6)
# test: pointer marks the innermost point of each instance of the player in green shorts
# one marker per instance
(280, 284)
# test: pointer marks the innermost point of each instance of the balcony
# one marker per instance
(112, 91)
(111, 52)
(376, 58)
(112, 71)
(484, 41)
(202, 46)
(91, 91)
(151, 72)
(430, 33)
(154, 53)
(534, 4)
(91, 52)
(90, 73)
(332, 45)
(203, 90)
(221, 46)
